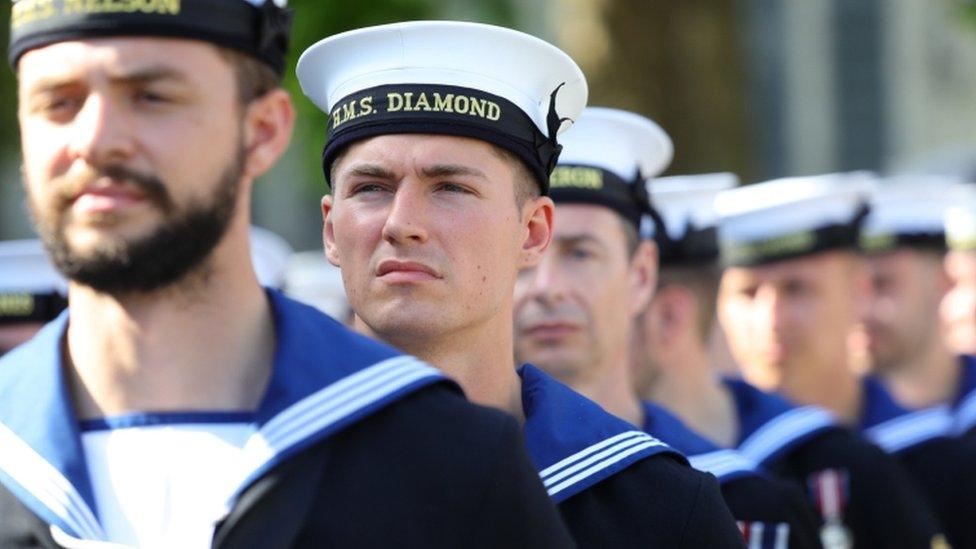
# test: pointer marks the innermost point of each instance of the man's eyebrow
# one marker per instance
(148, 74)
(576, 239)
(448, 170)
(368, 170)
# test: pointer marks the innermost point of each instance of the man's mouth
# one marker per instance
(404, 271)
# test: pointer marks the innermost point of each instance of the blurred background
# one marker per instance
(762, 88)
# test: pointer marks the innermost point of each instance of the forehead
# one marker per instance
(812, 267)
(586, 220)
(415, 150)
(109, 57)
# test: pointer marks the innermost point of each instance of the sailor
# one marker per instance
(671, 365)
(959, 305)
(910, 399)
(787, 301)
(176, 403)
(439, 149)
(32, 292)
(574, 311)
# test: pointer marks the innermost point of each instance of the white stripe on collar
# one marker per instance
(903, 432)
(45, 483)
(966, 414)
(594, 459)
(328, 406)
(783, 430)
(303, 422)
(722, 463)
(67, 541)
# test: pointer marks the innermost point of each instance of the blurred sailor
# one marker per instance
(32, 292)
(441, 142)
(788, 299)
(575, 310)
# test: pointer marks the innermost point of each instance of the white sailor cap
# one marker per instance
(960, 220)
(269, 254)
(445, 77)
(311, 279)
(791, 217)
(686, 204)
(908, 211)
(607, 157)
(31, 289)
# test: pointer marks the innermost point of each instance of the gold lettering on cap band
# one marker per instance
(27, 11)
(16, 304)
(416, 102)
(576, 177)
(877, 242)
(783, 245)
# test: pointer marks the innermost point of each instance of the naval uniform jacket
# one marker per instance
(356, 446)
(771, 513)
(964, 408)
(617, 486)
(879, 504)
(925, 443)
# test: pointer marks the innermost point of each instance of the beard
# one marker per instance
(179, 246)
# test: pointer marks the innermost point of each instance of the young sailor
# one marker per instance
(787, 301)
(440, 145)
(909, 400)
(176, 403)
(575, 310)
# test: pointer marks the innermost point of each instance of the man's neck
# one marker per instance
(478, 358)
(932, 378)
(837, 390)
(687, 386)
(613, 390)
(206, 346)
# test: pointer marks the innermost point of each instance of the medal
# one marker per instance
(834, 535)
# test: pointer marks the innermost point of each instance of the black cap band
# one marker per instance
(695, 247)
(23, 307)
(885, 242)
(445, 110)
(582, 184)
(258, 31)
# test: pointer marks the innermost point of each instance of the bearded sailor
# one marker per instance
(176, 402)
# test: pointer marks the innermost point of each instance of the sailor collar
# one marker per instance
(769, 425)
(324, 378)
(896, 428)
(573, 442)
(726, 464)
(965, 405)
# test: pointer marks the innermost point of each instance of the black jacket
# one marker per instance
(430, 470)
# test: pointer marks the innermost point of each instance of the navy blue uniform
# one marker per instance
(770, 511)
(617, 486)
(360, 447)
(925, 444)
(877, 504)
(965, 405)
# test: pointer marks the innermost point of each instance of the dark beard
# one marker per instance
(163, 258)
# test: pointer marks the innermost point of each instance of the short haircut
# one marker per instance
(702, 281)
(254, 77)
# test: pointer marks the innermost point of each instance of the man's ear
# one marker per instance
(537, 219)
(328, 230)
(268, 124)
(643, 275)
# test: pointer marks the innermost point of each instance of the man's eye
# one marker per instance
(147, 96)
(367, 188)
(453, 188)
(580, 253)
